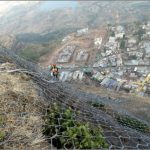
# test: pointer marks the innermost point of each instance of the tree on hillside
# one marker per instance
(112, 34)
(124, 37)
(122, 44)
(140, 33)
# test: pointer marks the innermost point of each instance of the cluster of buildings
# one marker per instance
(139, 55)
(127, 66)
(82, 55)
(71, 75)
(124, 67)
(147, 29)
(118, 79)
(138, 50)
(66, 53)
(110, 54)
(111, 47)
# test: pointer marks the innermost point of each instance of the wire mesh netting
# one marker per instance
(70, 122)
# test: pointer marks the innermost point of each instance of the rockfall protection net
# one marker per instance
(116, 135)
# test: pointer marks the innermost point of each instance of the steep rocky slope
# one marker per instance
(21, 110)
(132, 134)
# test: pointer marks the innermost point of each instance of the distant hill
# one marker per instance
(23, 19)
(24, 25)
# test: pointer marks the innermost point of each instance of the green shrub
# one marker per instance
(122, 44)
(72, 132)
(5, 59)
(2, 135)
(133, 123)
(97, 105)
(112, 33)
(30, 55)
(1, 120)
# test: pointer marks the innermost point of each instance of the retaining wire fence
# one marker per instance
(70, 122)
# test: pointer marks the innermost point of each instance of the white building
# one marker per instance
(112, 39)
(66, 54)
(144, 27)
(98, 76)
(101, 63)
(132, 63)
(132, 41)
(82, 56)
(78, 75)
(119, 60)
(82, 31)
(108, 52)
(113, 59)
(147, 47)
(64, 75)
(139, 54)
(119, 35)
(98, 42)
(120, 29)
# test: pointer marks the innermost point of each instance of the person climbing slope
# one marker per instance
(54, 71)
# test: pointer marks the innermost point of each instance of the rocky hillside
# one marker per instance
(21, 110)
(67, 119)
(34, 24)
(21, 19)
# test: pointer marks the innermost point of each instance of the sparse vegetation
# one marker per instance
(2, 135)
(71, 132)
(1, 120)
(97, 105)
(133, 123)
(5, 59)
(46, 38)
(112, 33)
(140, 33)
(124, 120)
(122, 44)
(41, 44)
(87, 71)
(21, 107)
(32, 54)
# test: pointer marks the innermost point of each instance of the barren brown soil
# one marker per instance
(85, 42)
(20, 112)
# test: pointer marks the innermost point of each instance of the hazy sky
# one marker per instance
(58, 4)
(6, 5)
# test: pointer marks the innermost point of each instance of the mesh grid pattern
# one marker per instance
(116, 135)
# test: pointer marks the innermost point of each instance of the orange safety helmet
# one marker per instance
(53, 65)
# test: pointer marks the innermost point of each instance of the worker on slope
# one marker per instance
(54, 71)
